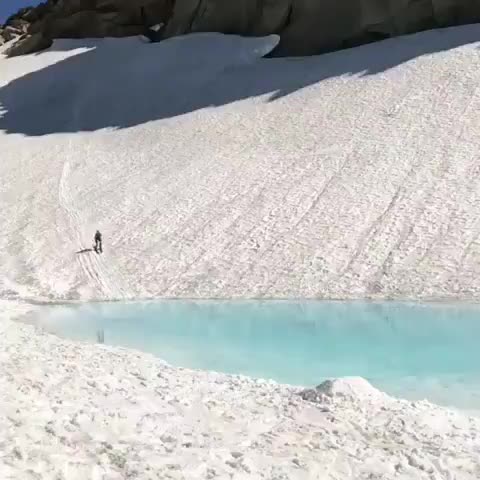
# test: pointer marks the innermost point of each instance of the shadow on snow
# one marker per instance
(113, 87)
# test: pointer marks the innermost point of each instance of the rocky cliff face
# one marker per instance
(36, 28)
(306, 26)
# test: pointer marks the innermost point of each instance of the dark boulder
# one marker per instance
(29, 44)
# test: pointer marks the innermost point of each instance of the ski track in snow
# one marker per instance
(94, 266)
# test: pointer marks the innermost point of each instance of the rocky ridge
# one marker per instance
(306, 27)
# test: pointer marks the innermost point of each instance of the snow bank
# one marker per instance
(213, 173)
(77, 411)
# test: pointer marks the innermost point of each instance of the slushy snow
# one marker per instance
(212, 172)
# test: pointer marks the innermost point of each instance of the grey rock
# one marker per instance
(10, 33)
(64, 8)
(312, 26)
(19, 24)
(455, 12)
(91, 24)
(273, 17)
(306, 27)
(29, 44)
(320, 393)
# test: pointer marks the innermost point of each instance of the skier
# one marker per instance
(98, 242)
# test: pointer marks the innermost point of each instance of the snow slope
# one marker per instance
(213, 173)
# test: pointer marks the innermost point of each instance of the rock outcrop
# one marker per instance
(30, 44)
(36, 27)
(313, 26)
(355, 389)
(306, 26)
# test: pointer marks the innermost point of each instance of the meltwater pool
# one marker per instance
(414, 351)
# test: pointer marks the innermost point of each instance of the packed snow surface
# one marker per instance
(214, 173)
(83, 412)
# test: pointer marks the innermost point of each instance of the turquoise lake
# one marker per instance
(414, 351)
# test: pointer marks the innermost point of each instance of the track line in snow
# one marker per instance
(95, 270)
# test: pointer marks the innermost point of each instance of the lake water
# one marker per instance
(410, 350)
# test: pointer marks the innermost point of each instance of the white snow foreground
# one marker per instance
(76, 411)
(213, 173)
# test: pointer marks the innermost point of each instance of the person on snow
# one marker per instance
(98, 242)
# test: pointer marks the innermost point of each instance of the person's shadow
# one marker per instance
(120, 83)
(85, 250)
